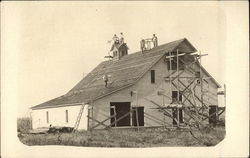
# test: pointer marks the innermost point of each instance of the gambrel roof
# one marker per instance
(124, 73)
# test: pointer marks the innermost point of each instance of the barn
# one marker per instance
(161, 86)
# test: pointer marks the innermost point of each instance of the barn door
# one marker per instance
(212, 114)
(121, 109)
(140, 116)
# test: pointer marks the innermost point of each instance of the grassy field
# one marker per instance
(146, 137)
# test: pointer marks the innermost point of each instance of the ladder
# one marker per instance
(79, 118)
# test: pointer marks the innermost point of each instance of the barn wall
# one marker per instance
(57, 117)
(146, 89)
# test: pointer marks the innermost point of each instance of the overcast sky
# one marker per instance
(53, 43)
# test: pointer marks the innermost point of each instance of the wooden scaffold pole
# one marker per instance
(178, 88)
(137, 121)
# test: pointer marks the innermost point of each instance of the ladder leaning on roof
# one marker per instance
(78, 119)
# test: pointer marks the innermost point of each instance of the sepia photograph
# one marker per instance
(81, 77)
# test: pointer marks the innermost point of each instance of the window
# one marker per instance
(175, 96)
(47, 116)
(67, 116)
(152, 76)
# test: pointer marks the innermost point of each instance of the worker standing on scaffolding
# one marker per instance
(155, 40)
(121, 38)
(116, 39)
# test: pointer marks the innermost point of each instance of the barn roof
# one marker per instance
(124, 73)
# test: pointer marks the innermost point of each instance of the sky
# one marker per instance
(53, 44)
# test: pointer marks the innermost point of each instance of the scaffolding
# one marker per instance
(192, 105)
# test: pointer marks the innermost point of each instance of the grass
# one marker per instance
(146, 137)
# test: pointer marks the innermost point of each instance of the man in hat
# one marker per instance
(121, 38)
(155, 40)
(116, 39)
(142, 45)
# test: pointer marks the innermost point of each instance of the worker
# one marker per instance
(155, 40)
(121, 38)
(105, 79)
(142, 45)
(116, 39)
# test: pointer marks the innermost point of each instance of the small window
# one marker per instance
(152, 76)
(47, 116)
(67, 116)
(175, 96)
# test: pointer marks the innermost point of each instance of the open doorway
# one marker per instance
(120, 109)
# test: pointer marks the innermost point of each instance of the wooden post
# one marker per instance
(88, 118)
(92, 112)
(178, 87)
(201, 81)
(137, 121)
(163, 100)
(115, 116)
(170, 76)
(131, 117)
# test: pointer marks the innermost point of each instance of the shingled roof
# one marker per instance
(124, 73)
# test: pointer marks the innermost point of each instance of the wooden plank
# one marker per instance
(166, 112)
(222, 111)
(101, 122)
(97, 121)
(120, 118)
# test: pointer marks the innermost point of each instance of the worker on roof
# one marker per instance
(105, 79)
(116, 39)
(142, 45)
(121, 38)
(155, 40)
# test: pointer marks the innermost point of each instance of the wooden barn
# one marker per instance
(161, 86)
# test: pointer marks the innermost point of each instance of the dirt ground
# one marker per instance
(145, 137)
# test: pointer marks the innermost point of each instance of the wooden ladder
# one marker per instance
(79, 118)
